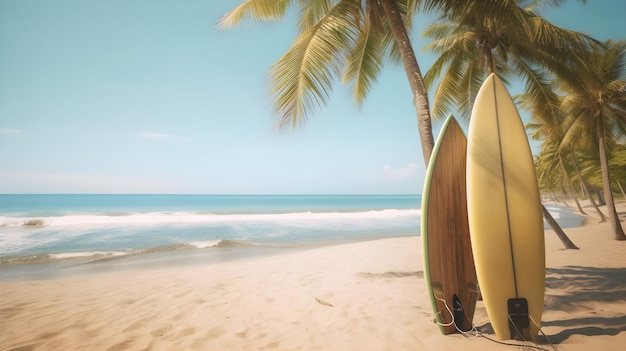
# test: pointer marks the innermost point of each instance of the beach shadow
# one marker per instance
(418, 274)
(485, 329)
(584, 286)
(592, 326)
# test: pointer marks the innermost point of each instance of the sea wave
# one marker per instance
(160, 218)
(91, 257)
(54, 257)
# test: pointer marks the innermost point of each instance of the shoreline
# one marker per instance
(43, 266)
(367, 295)
(153, 259)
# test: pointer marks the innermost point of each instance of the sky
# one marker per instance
(149, 96)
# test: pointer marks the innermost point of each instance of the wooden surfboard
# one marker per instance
(505, 216)
(448, 263)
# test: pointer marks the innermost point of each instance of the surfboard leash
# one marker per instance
(542, 333)
(474, 332)
(467, 333)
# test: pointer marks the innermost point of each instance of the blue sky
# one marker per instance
(148, 96)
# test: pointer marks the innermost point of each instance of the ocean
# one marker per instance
(46, 236)
(61, 233)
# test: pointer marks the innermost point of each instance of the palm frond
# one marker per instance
(535, 131)
(577, 126)
(615, 60)
(301, 80)
(312, 11)
(454, 46)
(364, 63)
(539, 97)
(536, 4)
(458, 78)
(254, 10)
(444, 98)
(439, 31)
(615, 115)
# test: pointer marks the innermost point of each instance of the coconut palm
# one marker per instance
(599, 106)
(476, 38)
(504, 38)
(553, 172)
(584, 184)
(548, 175)
(585, 161)
(349, 39)
(554, 153)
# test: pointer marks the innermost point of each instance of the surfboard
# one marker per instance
(505, 216)
(448, 262)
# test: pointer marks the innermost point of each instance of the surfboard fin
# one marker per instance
(459, 314)
(519, 321)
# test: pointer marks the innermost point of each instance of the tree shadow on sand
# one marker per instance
(576, 289)
(592, 326)
(584, 286)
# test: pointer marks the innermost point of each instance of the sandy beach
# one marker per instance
(359, 296)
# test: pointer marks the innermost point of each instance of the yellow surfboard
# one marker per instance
(505, 216)
(448, 263)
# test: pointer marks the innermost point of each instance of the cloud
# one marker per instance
(10, 131)
(401, 173)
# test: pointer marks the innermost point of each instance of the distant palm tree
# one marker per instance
(553, 154)
(548, 177)
(599, 106)
(553, 172)
(338, 38)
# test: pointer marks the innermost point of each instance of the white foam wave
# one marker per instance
(161, 218)
(554, 211)
(205, 244)
(66, 255)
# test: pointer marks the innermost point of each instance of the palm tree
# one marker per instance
(552, 171)
(344, 38)
(353, 37)
(546, 166)
(504, 38)
(584, 185)
(476, 38)
(599, 106)
(553, 153)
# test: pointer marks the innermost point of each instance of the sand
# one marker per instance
(359, 296)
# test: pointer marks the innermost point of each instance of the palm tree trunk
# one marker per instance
(570, 188)
(413, 72)
(619, 184)
(601, 199)
(606, 179)
(585, 186)
(583, 190)
(557, 229)
(554, 197)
